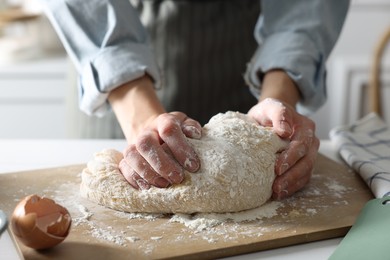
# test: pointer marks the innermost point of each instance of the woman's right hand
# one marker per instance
(160, 153)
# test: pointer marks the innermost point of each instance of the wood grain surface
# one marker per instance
(326, 208)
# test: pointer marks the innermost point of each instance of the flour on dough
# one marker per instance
(237, 171)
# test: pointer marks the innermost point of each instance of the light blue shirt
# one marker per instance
(109, 45)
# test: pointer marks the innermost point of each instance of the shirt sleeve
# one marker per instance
(107, 43)
(297, 36)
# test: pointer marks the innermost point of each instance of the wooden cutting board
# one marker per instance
(326, 208)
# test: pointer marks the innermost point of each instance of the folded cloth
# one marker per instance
(365, 146)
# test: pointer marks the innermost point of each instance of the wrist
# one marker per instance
(135, 105)
(278, 85)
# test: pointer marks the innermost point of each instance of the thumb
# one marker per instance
(283, 128)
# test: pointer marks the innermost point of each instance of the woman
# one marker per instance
(146, 59)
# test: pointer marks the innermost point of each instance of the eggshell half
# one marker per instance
(40, 223)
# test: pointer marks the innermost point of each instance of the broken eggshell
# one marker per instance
(40, 223)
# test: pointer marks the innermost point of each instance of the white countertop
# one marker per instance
(21, 155)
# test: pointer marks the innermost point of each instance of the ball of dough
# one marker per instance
(237, 171)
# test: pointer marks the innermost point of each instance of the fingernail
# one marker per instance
(193, 131)
(191, 164)
(281, 195)
(142, 184)
(161, 182)
(176, 177)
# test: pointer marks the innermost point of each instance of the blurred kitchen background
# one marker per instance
(38, 95)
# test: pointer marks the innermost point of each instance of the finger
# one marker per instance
(295, 151)
(285, 188)
(190, 127)
(153, 159)
(301, 144)
(296, 177)
(280, 115)
(272, 112)
(132, 177)
(171, 133)
(144, 169)
(257, 112)
(168, 151)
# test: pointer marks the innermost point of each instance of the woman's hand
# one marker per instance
(158, 151)
(161, 152)
(295, 164)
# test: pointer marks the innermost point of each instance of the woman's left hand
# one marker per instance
(294, 166)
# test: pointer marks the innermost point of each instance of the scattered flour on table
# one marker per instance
(107, 233)
(203, 224)
(86, 214)
(146, 216)
(209, 227)
(204, 221)
(132, 239)
(336, 188)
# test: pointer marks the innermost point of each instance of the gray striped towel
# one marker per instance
(365, 146)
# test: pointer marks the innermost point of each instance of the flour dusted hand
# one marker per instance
(295, 164)
(237, 172)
